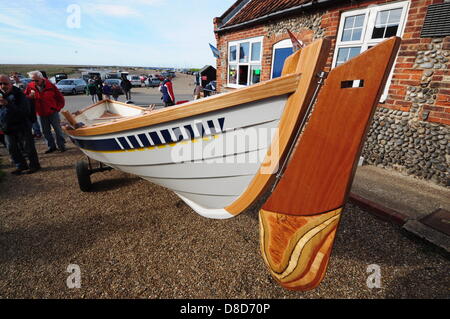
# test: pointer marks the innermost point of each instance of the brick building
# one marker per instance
(410, 131)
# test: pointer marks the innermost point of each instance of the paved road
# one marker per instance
(183, 88)
(140, 96)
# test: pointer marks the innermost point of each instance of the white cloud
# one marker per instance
(112, 10)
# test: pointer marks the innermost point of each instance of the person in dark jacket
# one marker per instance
(48, 101)
(107, 91)
(126, 87)
(16, 118)
(91, 90)
(167, 92)
(99, 84)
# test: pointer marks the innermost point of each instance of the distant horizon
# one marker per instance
(137, 33)
(106, 65)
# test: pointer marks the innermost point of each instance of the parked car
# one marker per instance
(71, 86)
(152, 82)
(24, 83)
(135, 80)
(60, 77)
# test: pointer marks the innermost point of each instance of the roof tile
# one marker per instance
(259, 8)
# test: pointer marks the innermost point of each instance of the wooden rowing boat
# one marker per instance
(182, 148)
(218, 154)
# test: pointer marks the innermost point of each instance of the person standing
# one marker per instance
(91, 90)
(16, 117)
(99, 84)
(126, 88)
(167, 92)
(116, 91)
(48, 101)
(37, 133)
(107, 91)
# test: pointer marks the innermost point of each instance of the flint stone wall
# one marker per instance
(417, 148)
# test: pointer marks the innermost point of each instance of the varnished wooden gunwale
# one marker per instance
(276, 87)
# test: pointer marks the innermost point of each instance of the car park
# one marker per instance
(60, 77)
(135, 80)
(152, 82)
(71, 86)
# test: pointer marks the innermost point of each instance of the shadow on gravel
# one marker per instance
(48, 242)
(108, 184)
(428, 274)
(58, 168)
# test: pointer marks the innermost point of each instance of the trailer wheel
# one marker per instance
(84, 176)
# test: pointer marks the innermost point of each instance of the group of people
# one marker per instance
(99, 90)
(38, 106)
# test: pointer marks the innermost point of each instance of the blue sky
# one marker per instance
(109, 32)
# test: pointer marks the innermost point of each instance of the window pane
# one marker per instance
(346, 35)
(357, 34)
(354, 52)
(378, 32)
(391, 31)
(243, 52)
(280, 55)
(232, 75)
(353, 28)
(382, 18)
(349, 21)
(387, 23)
(359, 20)
(342, 55)
(345, 54)
(233, 53)
(255, 73)
(394, 16)
(243, 74)
(256, 51)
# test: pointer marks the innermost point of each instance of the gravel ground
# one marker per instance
(133, 239)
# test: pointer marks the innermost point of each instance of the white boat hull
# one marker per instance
(207, 160)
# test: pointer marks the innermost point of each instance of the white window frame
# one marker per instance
(366, 37)
(250, 63)
(283, 44)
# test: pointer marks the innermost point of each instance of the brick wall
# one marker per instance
(406, 73)
(419, 94)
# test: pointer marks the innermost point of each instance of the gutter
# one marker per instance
(277, 14)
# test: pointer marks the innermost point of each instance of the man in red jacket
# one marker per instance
(48, 101)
